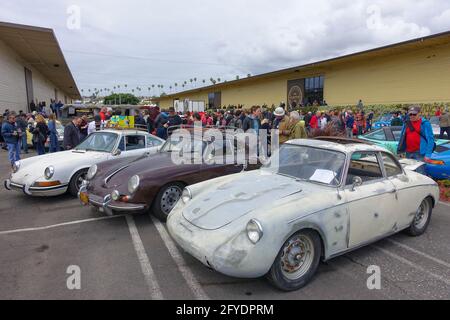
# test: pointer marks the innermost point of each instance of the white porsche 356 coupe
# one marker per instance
(56, 173)
(315, 200)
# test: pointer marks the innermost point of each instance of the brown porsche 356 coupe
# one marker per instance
(155, 182)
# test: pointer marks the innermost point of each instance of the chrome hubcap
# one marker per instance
(422, 213)
(170, 197)
(297, 257)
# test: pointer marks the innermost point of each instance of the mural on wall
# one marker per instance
(295, 92)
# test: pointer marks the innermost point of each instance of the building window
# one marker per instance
(314, 91)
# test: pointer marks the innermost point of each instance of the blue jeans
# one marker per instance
(40, 148)
(24, 143)
(13, 152)
(54, 147)
(417, 156)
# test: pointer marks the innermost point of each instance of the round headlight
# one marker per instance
(16, 166)
(133, 184)
(115, 195)
(48, 173)
(91, 172)
(254, 231)
(186, 196)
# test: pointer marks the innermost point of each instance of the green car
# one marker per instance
(388, 137)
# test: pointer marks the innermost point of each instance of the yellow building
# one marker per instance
(415, 71)
(32, 68)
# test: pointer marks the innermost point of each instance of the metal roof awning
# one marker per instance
(39, 48)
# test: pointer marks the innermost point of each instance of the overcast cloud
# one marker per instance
(141, 43)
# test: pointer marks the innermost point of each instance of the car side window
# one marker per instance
(377, 135)
(152, 142)
(364, 165)
(390, 165)
(134, 142)
(122, 144)
(397, 134)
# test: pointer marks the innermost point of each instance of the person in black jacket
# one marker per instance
(72, 134)
(40, 134)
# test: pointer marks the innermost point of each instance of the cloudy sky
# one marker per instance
(140, 43)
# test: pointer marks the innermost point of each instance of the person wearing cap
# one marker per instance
(416, 138)
(281, 123)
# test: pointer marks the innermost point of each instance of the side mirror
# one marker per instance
(356, 182)
(117, 152)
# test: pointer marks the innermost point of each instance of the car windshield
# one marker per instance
(99, 141)
(308, 163)
(176, 144)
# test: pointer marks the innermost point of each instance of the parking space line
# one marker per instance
(58, 225)
(404, 246)
(191, 281)
(412, 264)
(147, 270)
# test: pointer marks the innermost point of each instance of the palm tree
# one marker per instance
(237, 77)
(249, 75)
(218, 79)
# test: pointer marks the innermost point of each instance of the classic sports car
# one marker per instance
(388, 137)
(383, 121)
(156, 183)
(438, 166)
(56, 173)
(315, 200)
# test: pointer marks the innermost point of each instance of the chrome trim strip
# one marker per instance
(106, 180)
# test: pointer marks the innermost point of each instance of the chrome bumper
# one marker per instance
(106, 205)
(34, 191)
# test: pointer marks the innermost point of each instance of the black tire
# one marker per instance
(277, 274)
(74, 181)
(159, 209)
(418, 227)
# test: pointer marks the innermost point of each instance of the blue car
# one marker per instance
(438, 166)
(383, 121)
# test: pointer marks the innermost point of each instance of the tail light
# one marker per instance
(437, 162)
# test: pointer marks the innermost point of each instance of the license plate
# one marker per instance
(84, 198)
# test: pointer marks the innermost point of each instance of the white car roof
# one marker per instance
(346, 148)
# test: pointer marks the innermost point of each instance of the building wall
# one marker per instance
(419, 76)
(407, 78)
(13, 94)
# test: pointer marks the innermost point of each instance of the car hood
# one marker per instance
(231, 200)
(60, 158)
(142, 166)
(33, 168)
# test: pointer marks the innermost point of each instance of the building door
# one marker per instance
(29, 87)
(215, 100)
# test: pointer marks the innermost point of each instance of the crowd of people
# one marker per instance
(291, 124)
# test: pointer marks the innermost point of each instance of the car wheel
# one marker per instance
(297, 261)
(421, 219)
(76, 181)
(166, 199)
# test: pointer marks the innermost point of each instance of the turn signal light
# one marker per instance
(47, 184)
(438, 162)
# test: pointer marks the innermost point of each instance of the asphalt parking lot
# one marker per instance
(132, 257)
